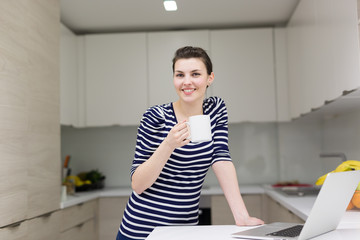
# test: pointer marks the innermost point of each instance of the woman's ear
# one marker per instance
(210, 79)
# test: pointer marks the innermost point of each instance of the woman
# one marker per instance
(168, 170)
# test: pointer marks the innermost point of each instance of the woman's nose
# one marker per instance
(187, 80)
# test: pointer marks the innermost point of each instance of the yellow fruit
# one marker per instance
(75, 179)
(348, 165)
(321, 180)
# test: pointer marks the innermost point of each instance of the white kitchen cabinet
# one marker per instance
(244, 73)
(161, 50)
(115, 79)
(323, 53)
(69, 67)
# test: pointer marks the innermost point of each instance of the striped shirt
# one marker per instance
(173, 199)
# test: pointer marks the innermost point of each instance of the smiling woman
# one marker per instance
(168, 170)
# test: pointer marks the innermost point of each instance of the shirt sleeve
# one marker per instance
(221, 147)
(149, 136)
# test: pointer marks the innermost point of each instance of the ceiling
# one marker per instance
(105, 16)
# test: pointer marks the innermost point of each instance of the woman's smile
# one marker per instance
(188, 91)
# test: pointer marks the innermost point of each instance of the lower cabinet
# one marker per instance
(80, 222)
(40, 228)
(44, 227)
(258, 205)
(111, 210)
(278, 213)
(83, 231)
(15, 232)
(100, 219)
(222, 215)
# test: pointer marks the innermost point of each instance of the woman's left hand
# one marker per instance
(249, 221)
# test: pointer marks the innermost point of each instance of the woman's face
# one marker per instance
(191, 79)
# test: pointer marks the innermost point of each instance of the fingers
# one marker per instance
(178, 135)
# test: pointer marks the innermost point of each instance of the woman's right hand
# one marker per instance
(177, 137)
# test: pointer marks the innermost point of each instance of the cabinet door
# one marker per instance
(221, 213)
(111, 211)
(44, 180)
(323, 53)
(116, 79)
(83, 231)
(68, 77)
(244, 73)
(15, 232)
(161, 50)
(78, 214)
(44, 227)
(278, 213)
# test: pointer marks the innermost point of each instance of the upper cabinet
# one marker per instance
(110, 79)
(244, 73)
(161, 49)
(115, 79)
(323, 53)
(68, 77)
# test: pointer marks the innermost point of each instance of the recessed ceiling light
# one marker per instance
(170, 5)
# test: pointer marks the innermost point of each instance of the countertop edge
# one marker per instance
(82, 197)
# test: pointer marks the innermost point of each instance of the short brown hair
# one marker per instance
(193, 52)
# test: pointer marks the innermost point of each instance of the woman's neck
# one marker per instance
(184, 110)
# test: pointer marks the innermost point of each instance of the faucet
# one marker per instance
(329, 155)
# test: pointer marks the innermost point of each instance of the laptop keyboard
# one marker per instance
(288, 232)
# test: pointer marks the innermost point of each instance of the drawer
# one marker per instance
(44, 227)
(111, 211)
(15, 232)
(83, 231)
(78, 214)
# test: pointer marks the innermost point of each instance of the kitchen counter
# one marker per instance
(224, 232)
(81, 197)
(349, 227)
(301, 206)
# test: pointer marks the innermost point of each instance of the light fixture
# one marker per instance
(170, 5)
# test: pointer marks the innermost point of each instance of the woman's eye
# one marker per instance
(179, 75)
(196, 74)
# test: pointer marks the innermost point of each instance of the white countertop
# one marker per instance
(81, 197)
(301, 206)
(223, 232)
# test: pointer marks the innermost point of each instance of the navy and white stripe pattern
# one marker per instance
(174, 197)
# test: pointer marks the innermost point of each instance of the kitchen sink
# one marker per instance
(298, 191)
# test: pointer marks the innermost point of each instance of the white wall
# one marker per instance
(253, 148)
(261, 152)
(342, 134)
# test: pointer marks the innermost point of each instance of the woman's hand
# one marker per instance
(249, 221)
(177, 137)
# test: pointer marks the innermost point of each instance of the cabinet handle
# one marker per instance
(14, 225)
(80, 225)
(46, 215)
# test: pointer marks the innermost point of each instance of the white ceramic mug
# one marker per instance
(200, 128)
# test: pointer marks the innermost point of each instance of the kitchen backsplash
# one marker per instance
(262, 152)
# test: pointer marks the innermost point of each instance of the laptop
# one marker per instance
(325, 215)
